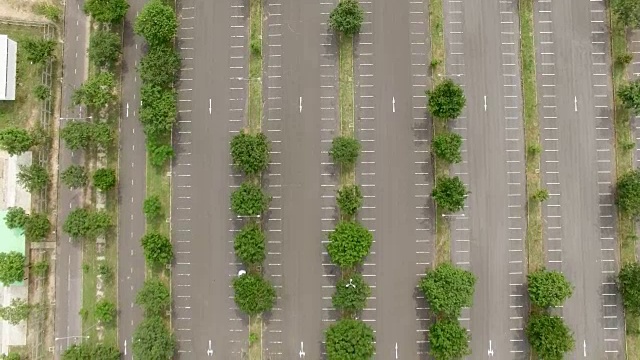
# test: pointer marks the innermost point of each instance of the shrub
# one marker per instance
(16, 217)
(349, 199)
(154, 297)
(42, 92)
(105, 311)
(37, 227)
(448, 289)
(249, 200)
(74, 177)
(447, 147)
(152, 207)
(449, 194)
(250, 153)
(33, 178)
(446, 100)
(349, 339)
(157, 248)
(344, 150)
(11, 267)
(15, 140)
(104, 179)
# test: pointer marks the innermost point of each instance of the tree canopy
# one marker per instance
(106, 11)
(448, 289)
(152, 207)
(89, 351)
(549, 337)
(15, 140)
(157, 248)
(351, 294)
(446, 100)
(349, 339)
(104, 179)
(11, 267)
(447, 147)
(38, 50)
(106, 311)
(154, 297)
(249, 200)
(153, 340)
(157, 23)
(159, 154)
(629, 94)
(347, 17)
(449, 194)
(548, 288)
(629, 286)
(344, 150)
(253, 294)
(349, 244)
(158, 110)
(250, 245)
(85, 223)
(159, 66)
(97, 92)
(448, 340)
(349, 199)
(34, 177)
(77, 135)
(628, 192)
(16, 312)
(250, 153)
(16, 217)
(37, 227)
(627, 12)
(75, 176)
(104, 48)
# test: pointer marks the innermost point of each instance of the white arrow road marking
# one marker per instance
(584, 348)
(490, 351)
(575, 103)
(301, 104)
(396, 350)
(209, 106)
(302, 353)
(210, 350)
(485, 103)
(394, 108)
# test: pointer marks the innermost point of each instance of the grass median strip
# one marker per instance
(346, 95)
(255, 66)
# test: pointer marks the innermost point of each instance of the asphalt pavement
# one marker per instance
(482, 44)
(212, 95)
(574, 88)
(131, 187)
(68, 325)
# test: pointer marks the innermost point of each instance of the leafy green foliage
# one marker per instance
(446, 100)
(154, 297)
(448, 289)
(344, 150)
(256, 46)
(104, 48)
(16, 217)
(105, 311)
(77, 135)
(250, 153)
(159, 154)
(11, 267)
(152, 207)
(82, 222)
(250, 245)
(106, 11)
(153, 340)
(253, 294)
(89, 351)
(15, 140)
(449, 194)
(97, 92)
(75, 176)
(349, 339)
(629, 286)
(346, 17)
(447, 147)
(249, 200)
(38, 50)
(627, 12)
(349, 199)
(351, 294)
(33, 177)
(629, 94)
(159, 66)
(37, 227)
(49, 11)
(104, 179)
(102, 135)
(16, 312)
(40, 268)
(42, 92)
(157, 248)
(11, 356)
(157, 23)
(549, 337)
(158, 110)
(349, 244)
(548, 288)
(448, 340)
(628, 192)
(540, 195)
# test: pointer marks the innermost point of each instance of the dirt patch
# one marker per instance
(21, 9)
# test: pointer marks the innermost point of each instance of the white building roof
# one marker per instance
(8, 50)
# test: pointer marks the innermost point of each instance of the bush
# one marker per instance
(446, 100)
(102, 135)
(549, 337)
(37, 227)
(154, 297)
(157, 248)
(153, 340)
(74, 177)
(160, 154)
(106, 11)
(105, 312)
(152, 207)
(16, 217)
(253, 294)
(351, 294)
(448, 289)
(629, 94)
(629, 286)
(41, 268)
(97, 92)
(628, 192)
(540, 195)
(349, 244)
(42, 92)
(33, 177)
(159, 66)
(346, 17)
(548, 288)
(345, 150)
(11, 267)
(12, 356)
(250, 153)
(349, 339)
(77, 135)
(249, 245)
(104, 48)
(249, 200)
(105, 272)
(104, 179)
(624, 59)
(51, 12)
(447, 147)
(449, 194)
(626, 12)
(15, 140)
(349, 199)
(157, 23)
(256, 47)
(448, 340)
(81, 222)
(38, 50)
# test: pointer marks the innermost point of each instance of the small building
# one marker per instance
(8, 51)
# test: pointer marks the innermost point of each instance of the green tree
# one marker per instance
(16, 312)
(549, 337)
(349, 339)
(349, 244)
(351, 294)
(33, 177)
(11, 267)
(42, 92)
(105, 311)
(447, 147)
(250, 244)
(250, 153)
(548, 288)
(158, 110)
(448, 340)
(16, 217)
(152, 207)
(253, 294)
(157, 23)
(153, 340)
(81, 222)
(154, 297)
(89, 351)
(627, 12)
(157, 248)
(75, 176)
(159, 66)
(349, 199)
(347, 17)
(344, 150)
(77, 135)
(37, 227)
(446, 100)
(448, 289)
(104, 179)
(159, 154)
(104, 48)
(38, 50)
(628, 192)
(49, 11)
(629, 94)
(106, 11)
(97, 92)
(101, 135)
(629, 286)
(249, 200)
(449, 194)
(15, 140)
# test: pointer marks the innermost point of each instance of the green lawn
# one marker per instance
(255, 66)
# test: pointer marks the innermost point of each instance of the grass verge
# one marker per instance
(346, 94)
(624, 163)
(535, 243)
(255, 337)
(255, 66)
